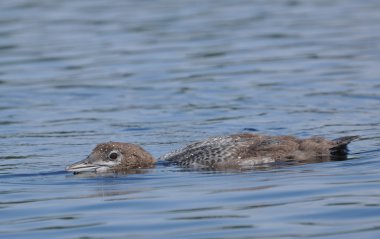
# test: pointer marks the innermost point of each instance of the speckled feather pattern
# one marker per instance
(248, 150)
(207, 153)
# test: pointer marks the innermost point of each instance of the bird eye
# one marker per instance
(113, 155)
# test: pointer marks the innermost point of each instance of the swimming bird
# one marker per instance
(238, 151)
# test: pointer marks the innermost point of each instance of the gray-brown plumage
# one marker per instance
(239, 151)
(114, 157)
(250, 150)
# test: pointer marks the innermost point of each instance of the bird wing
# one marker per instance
(221, 149)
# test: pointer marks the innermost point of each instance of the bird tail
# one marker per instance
(339, 147)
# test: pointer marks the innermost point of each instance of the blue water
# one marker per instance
(166, 73)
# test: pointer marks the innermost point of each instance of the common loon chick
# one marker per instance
(237, 151)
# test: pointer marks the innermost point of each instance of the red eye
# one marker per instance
(113, 155)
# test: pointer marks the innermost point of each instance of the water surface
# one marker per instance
(165, 73)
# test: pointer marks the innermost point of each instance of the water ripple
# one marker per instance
(166, 73)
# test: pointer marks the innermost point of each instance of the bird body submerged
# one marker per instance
(248, 150)
(237, 151)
